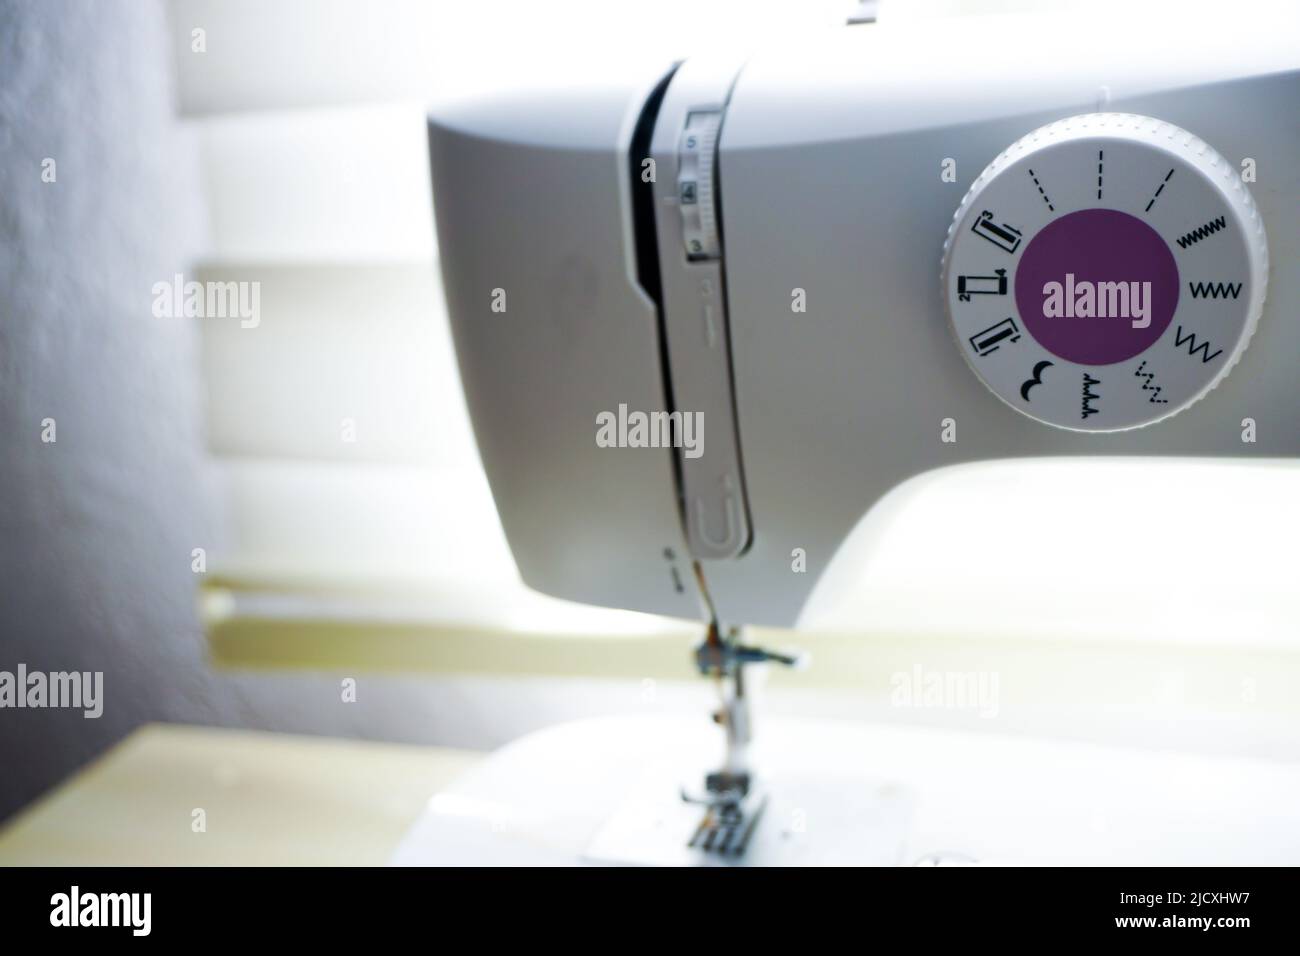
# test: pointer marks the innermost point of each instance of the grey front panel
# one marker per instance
(532, 213)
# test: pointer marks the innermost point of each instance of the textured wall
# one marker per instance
(96, 527)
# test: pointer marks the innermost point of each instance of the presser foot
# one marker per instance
(732, 808)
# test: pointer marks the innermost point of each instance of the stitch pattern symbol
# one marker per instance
(1147, 386)
(1159, 190)
(1215, 290)
(1203, 232)
(1037, 379)
(1041, 192)
(1192, 347)
(1089, 396)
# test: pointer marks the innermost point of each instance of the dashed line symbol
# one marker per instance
(1101, 155)
(1202, 232)
(1159, 190)
(1147, 386)
(1193, 348)
(1040, 191)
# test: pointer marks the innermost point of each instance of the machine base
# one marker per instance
(609, 791)
(605, 790)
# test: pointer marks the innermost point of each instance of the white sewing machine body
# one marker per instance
(808, 326)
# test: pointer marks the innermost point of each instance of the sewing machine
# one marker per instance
(819, 271)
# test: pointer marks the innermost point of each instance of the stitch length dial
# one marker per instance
(1105, 272)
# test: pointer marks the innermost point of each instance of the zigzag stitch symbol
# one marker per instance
(1192, 347)
(1215, 290)
(1155, 390)
(1202, 232)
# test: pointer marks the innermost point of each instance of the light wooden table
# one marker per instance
(268, 799)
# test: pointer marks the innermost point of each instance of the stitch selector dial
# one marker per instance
(1105, 272)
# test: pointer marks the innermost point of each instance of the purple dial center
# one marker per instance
(1097, 286)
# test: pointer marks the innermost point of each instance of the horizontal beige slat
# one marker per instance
(344, 185)
(1104, 681)
(343, 363)
(348, 523)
